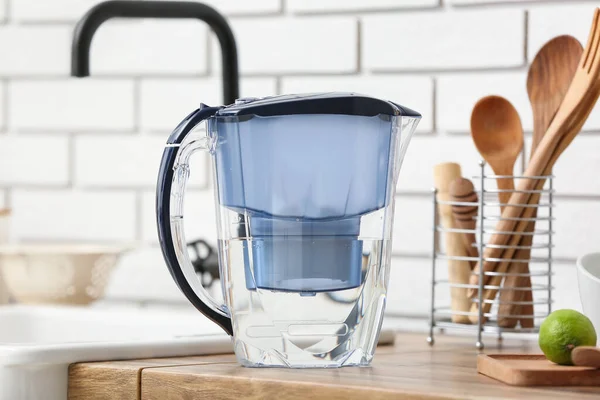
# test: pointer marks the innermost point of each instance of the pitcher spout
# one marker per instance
(408, 127)
(406, 123)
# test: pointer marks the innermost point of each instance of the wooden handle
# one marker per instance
(586, 356)
(501, 267)
(508, 296)
(527, 309)
(465, 216)
(505, 186)
(458, 271)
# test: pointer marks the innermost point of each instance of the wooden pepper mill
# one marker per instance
(465, 216)
(458, 270)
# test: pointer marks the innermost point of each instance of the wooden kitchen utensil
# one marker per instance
(535, 370)
(458, 270)
(570, 117)
(498, 135)
(586, 356)
(548, 80)
(465, 216)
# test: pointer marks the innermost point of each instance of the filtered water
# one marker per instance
(304, 328)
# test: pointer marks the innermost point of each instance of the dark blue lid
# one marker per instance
(315, 103)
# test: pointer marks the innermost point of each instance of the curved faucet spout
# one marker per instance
(89, 23)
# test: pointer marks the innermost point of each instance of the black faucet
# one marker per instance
(89, 23)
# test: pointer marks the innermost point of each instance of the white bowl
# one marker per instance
(588, 275)
(57, 273)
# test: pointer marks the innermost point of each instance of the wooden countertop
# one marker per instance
(410, 369)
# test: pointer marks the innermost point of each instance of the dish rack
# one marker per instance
(488, 214)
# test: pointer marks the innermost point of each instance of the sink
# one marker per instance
(37, 343)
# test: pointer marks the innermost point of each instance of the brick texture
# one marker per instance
(550, 21)
(22, 48)
(2, 106)
(34, 160)
(71, 10)
(316, 6)
(443, 40)
(304, 45)
(457, 93)
(43, 11)
(161, 47)
(59, 105)
(73, 215)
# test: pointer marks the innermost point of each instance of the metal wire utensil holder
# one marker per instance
(441, 316)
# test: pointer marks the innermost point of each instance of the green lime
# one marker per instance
(562, 331)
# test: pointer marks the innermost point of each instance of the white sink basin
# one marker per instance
(37, 344)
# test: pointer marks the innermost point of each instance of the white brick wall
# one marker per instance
(74, 105)
(2, 106)
(43, 11)
(162, 47)
(73, 215)
(468, 39)
(78, 158)
(48, 43)
(315, 6)
(71, 10)
(296, 45)
(551, 20)
(34, 160)
(457, 93)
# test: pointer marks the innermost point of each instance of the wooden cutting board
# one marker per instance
(534, 370)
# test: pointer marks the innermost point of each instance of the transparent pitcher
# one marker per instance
(304, 190)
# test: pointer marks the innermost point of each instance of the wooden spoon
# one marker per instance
(498, 135)
(586, 356)
(548, 80)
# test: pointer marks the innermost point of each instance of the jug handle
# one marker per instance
(172, 179)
